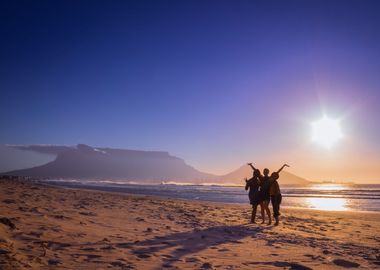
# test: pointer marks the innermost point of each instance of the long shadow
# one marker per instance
(180, 244)
(290, 265)
(186, 243)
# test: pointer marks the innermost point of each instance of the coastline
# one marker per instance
(68, 228)
(245, 205)
(358, 198)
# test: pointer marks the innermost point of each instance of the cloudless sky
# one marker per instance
(218, 83)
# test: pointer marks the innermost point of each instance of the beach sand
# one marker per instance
(43, 227)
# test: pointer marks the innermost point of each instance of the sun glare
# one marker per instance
(326, 132)
(328, 204)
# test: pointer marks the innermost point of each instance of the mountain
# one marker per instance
(86, 162)
(13, 158)
(245, 171)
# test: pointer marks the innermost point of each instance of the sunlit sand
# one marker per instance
(46, 227)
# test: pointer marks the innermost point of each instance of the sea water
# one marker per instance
(335, 197)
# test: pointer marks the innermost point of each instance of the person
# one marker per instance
(270, 192)
(264, 197)
(275, 193)
(253, 185)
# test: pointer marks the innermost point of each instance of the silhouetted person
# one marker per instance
(264, 197)
(253, 185)
(275, 193)
(264, 193)
(270, 191)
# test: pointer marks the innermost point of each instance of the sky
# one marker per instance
(217, 83)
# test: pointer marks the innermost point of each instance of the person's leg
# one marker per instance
(253, 216)
(273, 201)
(276, 208)
(278, 202)
(268, 212)
(262, 207)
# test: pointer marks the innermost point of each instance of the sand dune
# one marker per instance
(44, 227)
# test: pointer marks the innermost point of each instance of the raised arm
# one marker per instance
(250, 164)
(283, 166)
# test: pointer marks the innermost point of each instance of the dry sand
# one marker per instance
(44, 227)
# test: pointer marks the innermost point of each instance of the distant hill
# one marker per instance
(86, 162)
(12, 158)
(237, 176)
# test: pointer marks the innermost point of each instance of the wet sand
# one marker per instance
(44, 227)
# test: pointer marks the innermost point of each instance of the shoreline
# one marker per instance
(291, 200)
(213, 202)
(67, 228)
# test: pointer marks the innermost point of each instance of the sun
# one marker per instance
(326, 132)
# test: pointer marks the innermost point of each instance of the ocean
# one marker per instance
(333, 197)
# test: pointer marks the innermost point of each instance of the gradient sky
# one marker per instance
(218, 83)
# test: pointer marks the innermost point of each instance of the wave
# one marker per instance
(201, 184)
(353, 198)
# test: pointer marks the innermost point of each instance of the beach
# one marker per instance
(48, 227)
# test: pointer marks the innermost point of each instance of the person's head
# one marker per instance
(275, 175)
(266, 171)
(256, 173)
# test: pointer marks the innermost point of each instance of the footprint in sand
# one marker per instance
(4, 251)
(90, 214)
(7, 222)
(9, 201)
(54, 261)
(92, 256)
(57, 245)
(143, 256)
(88, 249)
(59, 217)
(108, 247)
(192, 260)
(345, 263)
(291, 265)
(118, 264)
(206, 265)
(36, 234)
(315, 257)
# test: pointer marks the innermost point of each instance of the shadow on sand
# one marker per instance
(186, 243)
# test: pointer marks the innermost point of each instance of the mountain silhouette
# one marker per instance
(12, 158)
(97, 163)
(245, 171)
(86, 162)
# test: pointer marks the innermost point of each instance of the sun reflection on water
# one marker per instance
(330, 187)
(330, 204)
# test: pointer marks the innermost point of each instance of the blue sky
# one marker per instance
(214, 82)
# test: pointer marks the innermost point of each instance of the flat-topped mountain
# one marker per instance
(98, 163)
(86, 162)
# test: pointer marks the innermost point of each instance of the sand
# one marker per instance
(43, 227)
